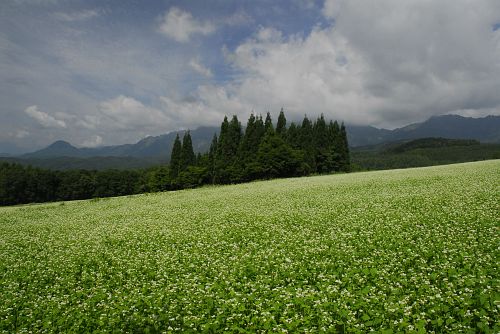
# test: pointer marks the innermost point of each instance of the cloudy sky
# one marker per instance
(110, 72)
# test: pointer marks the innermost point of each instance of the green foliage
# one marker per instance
(193, 176)
(404, 156)
(431, 143)
(345, 161)
(259, 153)
(175, 158)
(187, 157)
(268, 124)
(212, 156)
(400, 251)
(276, 158)
(265, 153)
(306, 142)
(293, 136)
(281, 125)
(158, 179)
(21, 184)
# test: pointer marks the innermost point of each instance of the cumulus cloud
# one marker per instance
(423, 57)
(43, 118)
(181, 25)
(127, 113)
(199, 68)
(383, 63)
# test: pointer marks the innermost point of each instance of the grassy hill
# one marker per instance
(393, 251)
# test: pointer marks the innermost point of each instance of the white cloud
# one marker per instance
(269, 35)
(199, 68)
(190, 113)
(127, 113)
(43, 118)
(82, 15)
(181, 25)
(237, 19)
(93, 141)
(383, 63)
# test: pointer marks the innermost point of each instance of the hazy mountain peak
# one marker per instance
(59, 144)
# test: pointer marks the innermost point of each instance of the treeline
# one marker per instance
(261, 151)
(420, 153)
(25, 184)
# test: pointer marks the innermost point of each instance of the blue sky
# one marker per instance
(109, 72)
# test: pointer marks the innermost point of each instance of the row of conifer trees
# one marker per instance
(261, 151)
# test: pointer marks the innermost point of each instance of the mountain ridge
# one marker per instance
(485, 129)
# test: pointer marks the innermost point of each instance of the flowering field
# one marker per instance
(413, 250)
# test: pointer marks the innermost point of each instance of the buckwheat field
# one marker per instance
(407, 251)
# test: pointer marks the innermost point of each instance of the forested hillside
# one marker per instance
(422, 152)
(262, 151)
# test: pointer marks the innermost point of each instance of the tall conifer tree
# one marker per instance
(212, 153)
(293, 136)
(247, 147)
(345, 160)
(221, 158)
(322, 153)
(175, 158)
(260, 130)
(269, 122)
(336, 145)
(188, 157)
(307, 143)
(234, 135)
(281, 125)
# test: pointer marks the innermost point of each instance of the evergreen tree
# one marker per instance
(227, 149)
(221, 156)
(293, 136)
(344, 149)
(234, 135)
(224, 128)
(269, 122)
(247, 143)
(175, 158)
(235, 167)
(307, 143)
(187, 157)
(212, 154)
(322, 154)
(281, 125)
(248, 164)
(335, 145)
(260, 153)
(260, 130)
(276, 158)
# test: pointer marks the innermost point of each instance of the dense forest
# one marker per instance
(421, 152)
(260, 151)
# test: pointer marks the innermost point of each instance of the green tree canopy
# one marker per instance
(175, 158)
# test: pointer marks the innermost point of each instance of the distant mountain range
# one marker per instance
(156, 149)
(152, 146)
(486, 130)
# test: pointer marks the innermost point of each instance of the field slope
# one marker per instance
(395, 251)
